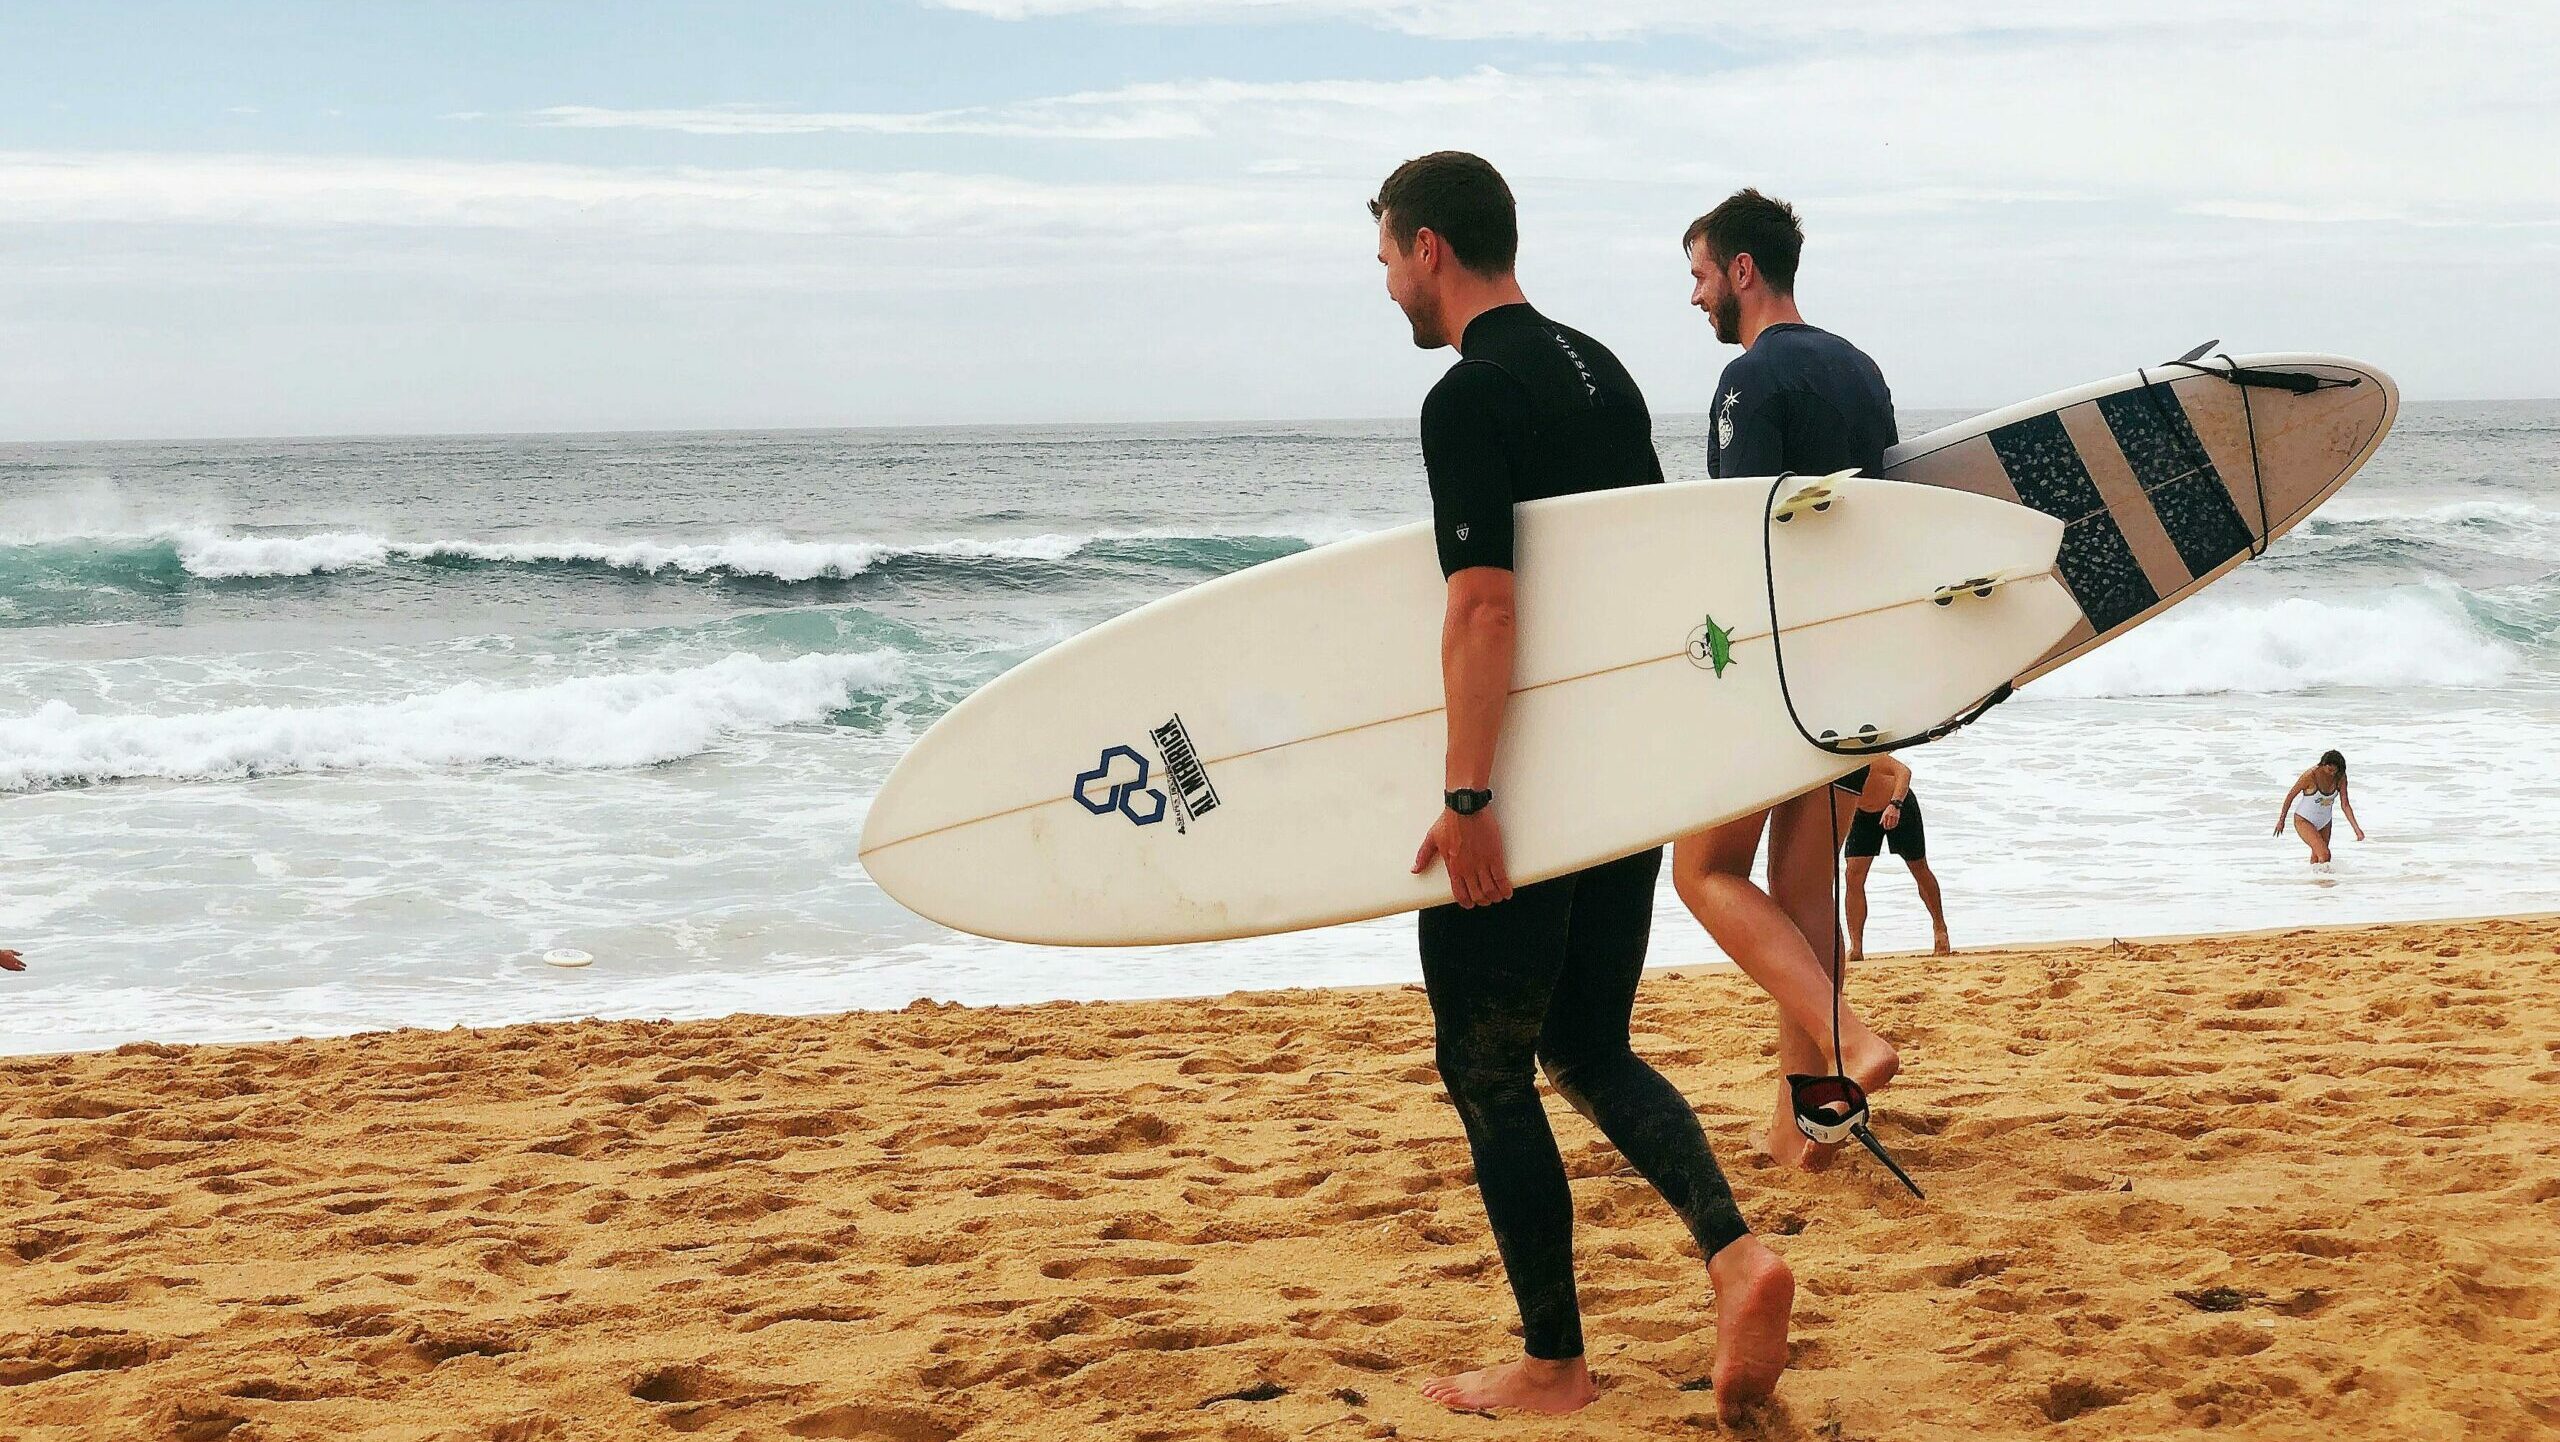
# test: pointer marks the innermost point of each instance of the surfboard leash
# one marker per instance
(2247, 379)
(1778, 659)
(1833, 1109)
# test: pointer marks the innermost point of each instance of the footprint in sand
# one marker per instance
(867, 1423)
(76, 1349)
(2064, 1400)
(1089, 1269)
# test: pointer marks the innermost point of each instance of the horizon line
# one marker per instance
(1049, 424)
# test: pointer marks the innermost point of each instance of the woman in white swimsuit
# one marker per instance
(2314, 803)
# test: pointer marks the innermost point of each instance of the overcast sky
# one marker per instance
(269, 218)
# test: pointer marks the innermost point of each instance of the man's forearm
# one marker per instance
(1475, 673)
(1887, 783)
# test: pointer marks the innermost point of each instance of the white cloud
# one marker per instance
(1993, 213)
(1750, 21)
(1050, 119)
(2331, 126)
(304, 192)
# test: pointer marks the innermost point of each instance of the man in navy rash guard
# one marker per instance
(1547, 973)
(1797, 399)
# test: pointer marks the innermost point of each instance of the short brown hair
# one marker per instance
(1458, 197)
(1749, 223)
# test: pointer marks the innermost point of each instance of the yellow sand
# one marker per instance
(2301, 1185)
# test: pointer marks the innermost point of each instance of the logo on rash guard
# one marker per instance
(1589, 386)
(1724, 419)
(1462, 533)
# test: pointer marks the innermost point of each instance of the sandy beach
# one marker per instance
(2290, 1185)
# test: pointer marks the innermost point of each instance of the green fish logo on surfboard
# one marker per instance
(1711, 646)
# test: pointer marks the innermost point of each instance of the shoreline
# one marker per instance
(2298, 1184)
(1713, 965)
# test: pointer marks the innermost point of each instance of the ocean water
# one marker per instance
(314, 736)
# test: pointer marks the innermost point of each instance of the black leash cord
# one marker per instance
(2301, 383)
(1858, 1128)
(1778, 658)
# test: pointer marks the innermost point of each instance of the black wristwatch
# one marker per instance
(1467, 803)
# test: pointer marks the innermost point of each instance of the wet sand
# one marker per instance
(2293, 1185)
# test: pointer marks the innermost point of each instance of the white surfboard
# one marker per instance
(2168, 477)
(1262, 752)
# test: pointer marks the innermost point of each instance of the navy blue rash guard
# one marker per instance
(1803, 400)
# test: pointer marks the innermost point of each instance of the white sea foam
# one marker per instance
(2354, 510)
(94, 508)
(2400, 638)
(213, 554)
(220, 556)
(217, 556)
(631, 719)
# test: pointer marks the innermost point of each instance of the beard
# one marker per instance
(1424, 316)
(1726, 313)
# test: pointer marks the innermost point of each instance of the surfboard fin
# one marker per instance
(1975, 586)
(1815, 495)
(1867, 735)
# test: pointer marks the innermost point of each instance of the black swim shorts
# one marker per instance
(1908, 838)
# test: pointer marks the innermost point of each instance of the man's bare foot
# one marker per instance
(1857, 953)
(1872, 1064)
(1938, 943)
(1533, 1384)
(1755, 1293)
(1789, 1146)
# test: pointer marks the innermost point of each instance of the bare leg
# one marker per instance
(1712, 872)
(1803, 849)
(1927, 880)
(2317, 838)
(1853, 897)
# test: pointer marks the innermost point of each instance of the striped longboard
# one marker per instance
(2156, 476)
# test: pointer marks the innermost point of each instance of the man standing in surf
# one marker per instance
(1797, 399)
(1544, 974)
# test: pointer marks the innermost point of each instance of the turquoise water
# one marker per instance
(313, 736)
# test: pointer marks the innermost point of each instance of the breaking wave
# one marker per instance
(2417, 636)
(632, 719)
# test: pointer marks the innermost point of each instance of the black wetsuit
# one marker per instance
(1803, 400)
(1532, 410)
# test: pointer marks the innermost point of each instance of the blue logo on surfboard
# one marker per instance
(1122, 787)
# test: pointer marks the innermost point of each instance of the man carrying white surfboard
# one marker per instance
(1798, 399)
(1547, 973)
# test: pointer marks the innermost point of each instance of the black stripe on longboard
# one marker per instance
(2160, 443)
(2096, 563)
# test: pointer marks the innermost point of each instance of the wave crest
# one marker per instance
(2414, 637)
(215, 555)
(633, 719)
